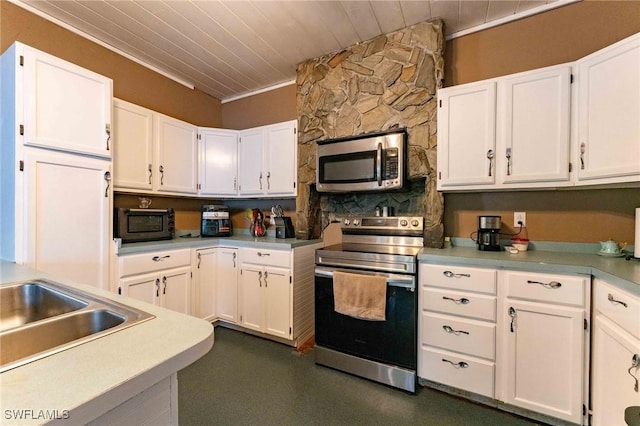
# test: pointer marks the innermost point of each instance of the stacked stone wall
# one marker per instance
(381, 84)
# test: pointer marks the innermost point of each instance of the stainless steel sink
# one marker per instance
(40, 318)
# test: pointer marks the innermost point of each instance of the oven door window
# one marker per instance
(390, 341)
(348, 168)
(145, 223)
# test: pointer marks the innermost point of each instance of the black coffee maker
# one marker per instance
(489, 233)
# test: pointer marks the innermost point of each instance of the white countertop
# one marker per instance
(94, 377)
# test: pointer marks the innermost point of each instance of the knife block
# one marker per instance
(284, 227)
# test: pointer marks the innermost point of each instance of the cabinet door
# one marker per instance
(177, 155)
(608, 110)
(281, 159)
(68, 212)
(227, 284)
(534, 112)
(252, 282)
(175, 285)
(56, 94)
(144, 287)
(132, 146)
(613, 383)
(218, 162)
(277, 301)
(543, 358)
(466, 135)
(250, 160)
(204, 283)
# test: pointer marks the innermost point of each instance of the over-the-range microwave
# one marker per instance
(369, 162)
(135, 225)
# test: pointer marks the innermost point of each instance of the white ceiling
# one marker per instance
(231, 48)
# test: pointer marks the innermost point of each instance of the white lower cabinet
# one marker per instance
(517, 337)
(160, 278)
(616, 355)
(456, 327)
(266, 291)
(203, 289)
(543, 345)
(226, 276)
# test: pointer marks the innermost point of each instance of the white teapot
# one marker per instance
(611, 247)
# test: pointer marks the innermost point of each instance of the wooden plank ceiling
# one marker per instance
(230, 48)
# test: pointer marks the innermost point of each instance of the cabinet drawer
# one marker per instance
(459, 278)
(554, 288)
(460, 335)
(459, 303)
(266, 257)
(628, 317)
(149, 262)
(462, 372)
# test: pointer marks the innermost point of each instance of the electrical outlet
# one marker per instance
(519, 217)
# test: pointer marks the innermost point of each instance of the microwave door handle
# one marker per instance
(379, 164)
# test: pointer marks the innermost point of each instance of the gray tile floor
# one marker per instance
(246, 380)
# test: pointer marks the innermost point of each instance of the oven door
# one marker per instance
(392, 341)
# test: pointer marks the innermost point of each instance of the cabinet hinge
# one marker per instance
(571, 79)
(119, 290)
(440, 103)
(199, 137)
(289, 331)
(570, 167)
(191, 273)
(586, 324)
(295, 130)
(22, 130)
(21, 60)
(240, 318)
(584, 410)
(439, 175)
(240, 271)
(290, 279)
(199, 186)
(21, 165)
(294, 185)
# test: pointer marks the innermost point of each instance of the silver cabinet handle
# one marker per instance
(508, 161)
(234, 260)
(612, 300)
(107, 178)
(266, 274)
(150, 172)
(452, 331)
(260, 278)
(450, 274)
(107, 129)
(551, 285)
(260, 179)
(460, 364)
(164, 283)
(199, 259)
(263, 254)
(160, 258)
(268, 181)
(635, 363)
(157, 287)
(161, 175)
(490, 156)
(583, 149)
(462, 300)
(512, 314)
(235, 183)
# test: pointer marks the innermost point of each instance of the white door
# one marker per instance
(466, 135)
(144, 287)
(175, 285)
(250, 161)
(608, 109)
(227, 284)
(277, 301)
(67, 107)
(544, 358)
(252, 282)
(613, 386)
(218, 162)
(177, 156)
(204, 288)
(132, 146)
(68, 210)
(534, 112)
(281, 158)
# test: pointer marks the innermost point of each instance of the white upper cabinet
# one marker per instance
(267, 159)
(466, 135)
(66, 107)
(218, 162)
(177, 156)
(534, 126)
(133, 146)
(607, 147)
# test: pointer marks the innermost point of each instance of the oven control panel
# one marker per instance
(388, 223)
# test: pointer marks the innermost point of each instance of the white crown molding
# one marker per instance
(257, 92)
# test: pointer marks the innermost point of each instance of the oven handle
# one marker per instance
(394, 280)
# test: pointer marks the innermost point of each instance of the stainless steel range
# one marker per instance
(380, 350)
